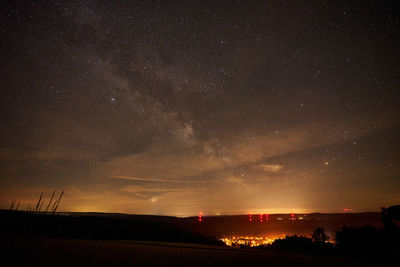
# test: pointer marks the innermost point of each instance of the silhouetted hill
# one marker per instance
(282, 224)
(167, 228)
(99, 226)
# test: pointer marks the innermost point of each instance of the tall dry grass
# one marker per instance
(38, 207)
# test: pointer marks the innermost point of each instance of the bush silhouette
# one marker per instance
(293, 243)
(360, 240)
(319, 235)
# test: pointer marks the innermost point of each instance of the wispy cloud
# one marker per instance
(271, 167)
(147, 189)
(150, 179)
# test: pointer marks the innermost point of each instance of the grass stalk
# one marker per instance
(12, 204)
(41, 204)
(38, 203)
(58, 202)
(51, 199)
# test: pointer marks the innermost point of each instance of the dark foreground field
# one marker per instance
(81, 239)
(29, 251)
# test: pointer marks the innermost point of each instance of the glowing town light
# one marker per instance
(261, 217)
(250, 219)
(251, 241)
(200, 215)
(266, 217)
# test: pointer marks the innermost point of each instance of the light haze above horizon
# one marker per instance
(223, 107)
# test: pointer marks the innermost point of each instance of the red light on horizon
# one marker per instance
(200, 215)
(250, 219)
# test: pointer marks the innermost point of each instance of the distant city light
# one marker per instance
(251, 241)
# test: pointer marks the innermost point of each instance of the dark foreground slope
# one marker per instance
(96, 239)
(165, 228)
(63, 252)
(98, 227)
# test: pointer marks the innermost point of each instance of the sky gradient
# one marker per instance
(225, 108)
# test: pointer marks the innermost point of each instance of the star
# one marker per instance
(199, 90)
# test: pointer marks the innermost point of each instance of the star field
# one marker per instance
(161, 107)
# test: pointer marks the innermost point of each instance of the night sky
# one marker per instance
(176, 107)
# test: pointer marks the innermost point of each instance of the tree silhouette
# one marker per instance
(319, 235)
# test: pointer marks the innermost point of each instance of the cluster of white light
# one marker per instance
(251, 241)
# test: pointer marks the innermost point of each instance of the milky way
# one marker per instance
(225, 108)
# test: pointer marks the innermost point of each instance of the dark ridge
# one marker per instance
(99, 227)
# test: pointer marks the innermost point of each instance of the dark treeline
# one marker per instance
(365, 241)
